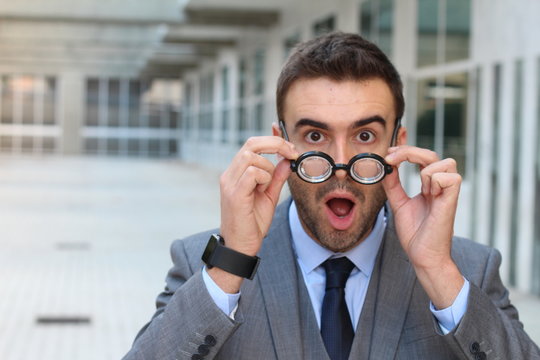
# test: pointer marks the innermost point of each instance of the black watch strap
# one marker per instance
(234, 262)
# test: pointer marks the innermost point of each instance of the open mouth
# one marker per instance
(340, 207)
(340, 210)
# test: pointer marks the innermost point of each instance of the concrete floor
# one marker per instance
(86, 240)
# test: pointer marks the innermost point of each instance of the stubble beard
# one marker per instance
(310, 211)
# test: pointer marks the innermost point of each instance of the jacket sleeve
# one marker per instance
(187, 320)
(490, 328)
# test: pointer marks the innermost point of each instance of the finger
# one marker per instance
(242, 161)
(281, 174)
(395, 193)
(251, 178)
(412, 154)
(447, 184)
(448, 165)
(271, 145)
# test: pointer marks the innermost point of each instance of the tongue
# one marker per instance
(340, 207)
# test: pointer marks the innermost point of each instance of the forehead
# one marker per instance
(323, 99)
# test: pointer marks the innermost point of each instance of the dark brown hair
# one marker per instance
(339, 56)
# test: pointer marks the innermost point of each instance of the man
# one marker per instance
(350, 267)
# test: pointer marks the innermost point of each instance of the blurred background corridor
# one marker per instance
(117, 117)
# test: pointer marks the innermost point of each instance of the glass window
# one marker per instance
(154, 115)
(259, 117)
(242, 125)
(113, 116)
(27, 144)
(289, 43)
(242, 79)
(113, 146)
(458, 28)
(6, 143)
(376, 23)
(224, 125)
(92, 102)
(206, 114)
(455, 119)
(7, 101)
(154, 147)
(26, 87)
(48, 144)
(49, 101)
(443, 31)
(324, 26)
(442, 116)
(91, 145)
(428, 25)
(426, 106)
(173, 147)
(259, 72)
(225, 83)
(133, 147)
(134, 103)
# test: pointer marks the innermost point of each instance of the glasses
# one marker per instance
(316, 166)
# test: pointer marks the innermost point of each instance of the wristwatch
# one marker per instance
(218, 255)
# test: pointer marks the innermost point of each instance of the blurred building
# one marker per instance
(196, 78)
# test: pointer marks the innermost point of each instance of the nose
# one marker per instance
(342, 155)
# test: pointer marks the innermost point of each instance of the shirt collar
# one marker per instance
(310, 254)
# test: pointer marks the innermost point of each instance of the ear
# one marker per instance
(276, 131)
(402, 136)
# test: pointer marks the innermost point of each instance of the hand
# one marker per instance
(250, 190)
(425, 223)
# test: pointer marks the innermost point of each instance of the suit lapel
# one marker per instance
(277, 277)
(387, 301)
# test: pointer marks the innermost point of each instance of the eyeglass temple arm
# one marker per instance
(283, 130)
(395, 133)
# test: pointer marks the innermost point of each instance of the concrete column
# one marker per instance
(71, 105)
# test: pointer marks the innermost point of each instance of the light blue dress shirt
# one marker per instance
(311, 255)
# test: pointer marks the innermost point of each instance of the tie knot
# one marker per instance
(337, 272)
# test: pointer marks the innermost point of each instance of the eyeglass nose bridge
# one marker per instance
(336, 167)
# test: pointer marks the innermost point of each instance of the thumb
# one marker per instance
(395, 193)
(281, 174)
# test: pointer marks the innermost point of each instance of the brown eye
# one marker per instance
(314, 137)
(366, 136)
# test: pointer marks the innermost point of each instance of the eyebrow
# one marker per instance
(369, 120)
(355, 125)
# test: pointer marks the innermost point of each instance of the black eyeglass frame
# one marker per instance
(347, 167)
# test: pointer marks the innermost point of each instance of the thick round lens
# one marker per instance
(367, 170)
(315, 169)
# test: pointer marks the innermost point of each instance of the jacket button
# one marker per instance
(196, 357)
(210, 340)
(480, 356)
(475, 347)
(203, 349)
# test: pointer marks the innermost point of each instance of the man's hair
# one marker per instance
(339, 56)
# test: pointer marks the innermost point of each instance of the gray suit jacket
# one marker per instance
(275, 318)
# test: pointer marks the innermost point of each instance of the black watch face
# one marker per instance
(210, 247)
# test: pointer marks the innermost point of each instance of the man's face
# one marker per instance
(342, 119)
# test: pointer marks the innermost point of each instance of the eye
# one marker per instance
(314, 137)
(366, 137)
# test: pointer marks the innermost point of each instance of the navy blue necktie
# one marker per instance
(336, 327)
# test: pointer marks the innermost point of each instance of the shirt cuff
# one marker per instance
(228, 303)
(449, 317)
